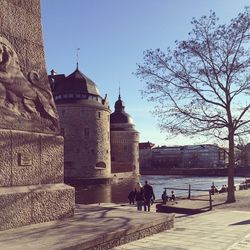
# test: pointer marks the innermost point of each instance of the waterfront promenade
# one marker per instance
(226, 227)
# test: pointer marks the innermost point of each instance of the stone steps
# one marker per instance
(92, 227)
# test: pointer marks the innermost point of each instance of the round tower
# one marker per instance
(124, 142)
(85, 125)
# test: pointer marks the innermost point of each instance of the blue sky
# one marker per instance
(112, 35)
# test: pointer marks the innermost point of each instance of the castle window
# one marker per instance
(86, 132)
(125, 148)
(101, 165)
(99, 114)
(92, 151)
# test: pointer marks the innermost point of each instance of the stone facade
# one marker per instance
(31, 171)
(87, 147)
(124, 149)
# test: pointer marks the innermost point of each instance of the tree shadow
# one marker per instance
(244, 222)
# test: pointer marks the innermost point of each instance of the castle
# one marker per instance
(98, 146)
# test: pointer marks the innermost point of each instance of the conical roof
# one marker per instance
(75, 83)
(120, 116)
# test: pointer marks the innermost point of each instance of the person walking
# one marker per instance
(131, 197)
(139, 196)
(148, 196)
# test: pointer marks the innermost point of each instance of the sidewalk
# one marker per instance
(226, 227)
(92, 227)
(208, 231)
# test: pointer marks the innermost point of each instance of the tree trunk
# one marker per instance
(231, 193)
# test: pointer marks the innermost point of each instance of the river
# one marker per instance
(118, 192)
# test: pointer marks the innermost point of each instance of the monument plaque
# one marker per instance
(29, 125)
(24, 159)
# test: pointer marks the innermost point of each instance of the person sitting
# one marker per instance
(164, 197)
(223, 189)
(172, 197)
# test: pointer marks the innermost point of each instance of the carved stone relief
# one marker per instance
(25, 103)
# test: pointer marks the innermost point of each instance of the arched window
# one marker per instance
(101, 165)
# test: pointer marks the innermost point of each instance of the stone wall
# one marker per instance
(124, 149)
(31, 170)
(30, 159)
(87, 139)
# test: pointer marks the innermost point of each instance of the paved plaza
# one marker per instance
(207, 231)
(226, 227)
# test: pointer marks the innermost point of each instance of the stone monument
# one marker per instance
(31, 150)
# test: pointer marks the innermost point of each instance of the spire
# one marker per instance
(119, 97)
(77, 57)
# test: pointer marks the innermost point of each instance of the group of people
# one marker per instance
(166, 198)
(215, 189)
(143, 196)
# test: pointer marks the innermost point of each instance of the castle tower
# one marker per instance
(84, 119)
(124, 142)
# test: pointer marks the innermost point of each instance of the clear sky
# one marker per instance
(112, 35)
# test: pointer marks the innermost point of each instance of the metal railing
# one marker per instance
(189, 193)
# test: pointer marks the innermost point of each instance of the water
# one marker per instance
(118, 192)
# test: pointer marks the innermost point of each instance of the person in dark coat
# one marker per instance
(139, 196)
(131, 197)
(148, 196)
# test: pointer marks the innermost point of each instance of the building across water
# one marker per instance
(91, 136)
(182, 157)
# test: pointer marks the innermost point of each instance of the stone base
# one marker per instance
(91, 228)
(24, 205)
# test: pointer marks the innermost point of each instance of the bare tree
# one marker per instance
(203, 85)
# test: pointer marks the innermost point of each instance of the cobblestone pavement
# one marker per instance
(219, 229)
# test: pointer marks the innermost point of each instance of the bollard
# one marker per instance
(189, 191)
(210, 200)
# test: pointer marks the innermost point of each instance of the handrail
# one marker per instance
(189, 189)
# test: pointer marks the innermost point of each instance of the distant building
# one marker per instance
(245, 156)
(145, 155)
(189, 156)
(124, 142)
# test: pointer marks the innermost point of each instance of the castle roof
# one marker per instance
(120, 116)
(75, 83)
